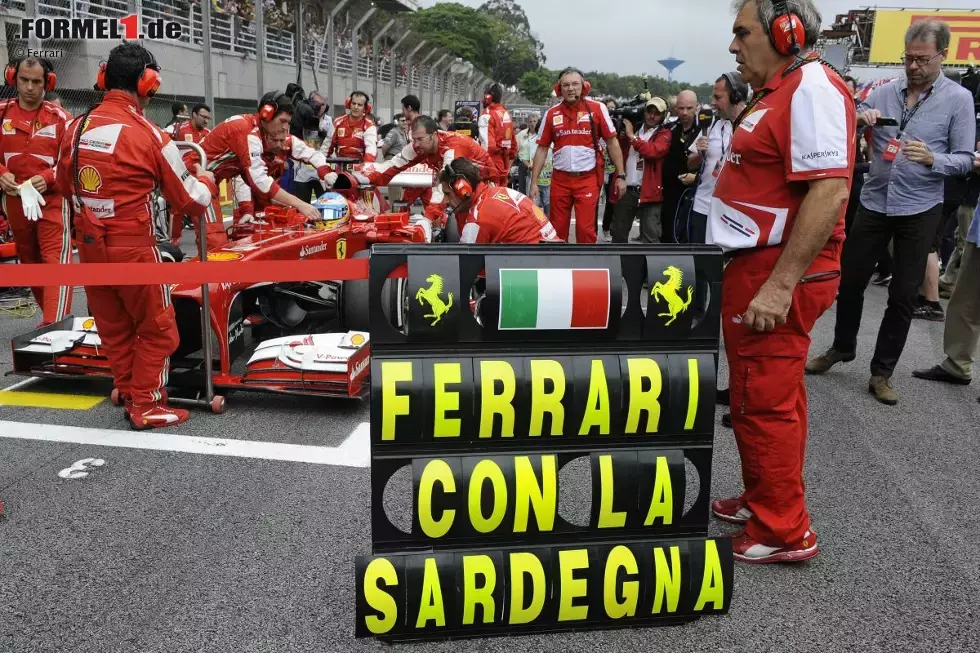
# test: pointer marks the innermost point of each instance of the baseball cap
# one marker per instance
(659, 103)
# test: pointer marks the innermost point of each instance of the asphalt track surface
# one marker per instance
(163, 552)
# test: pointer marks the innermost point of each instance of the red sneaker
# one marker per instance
(745, 549)
(155, 416)
(733, 510)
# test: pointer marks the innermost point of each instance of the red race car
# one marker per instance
(303, 338)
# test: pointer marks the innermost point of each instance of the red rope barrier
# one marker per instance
(193, 273)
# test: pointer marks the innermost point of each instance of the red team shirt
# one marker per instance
(29, 140)
(502, 215)
(186, 132)
(802, 130)
(570, 129)
(354, 139)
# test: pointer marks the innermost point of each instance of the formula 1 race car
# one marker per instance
(304, 338)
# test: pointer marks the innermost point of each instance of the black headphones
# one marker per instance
(738, 90)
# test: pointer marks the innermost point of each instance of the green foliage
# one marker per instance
(498, 40)
(625, 87)
(502, 49)
(537, 85)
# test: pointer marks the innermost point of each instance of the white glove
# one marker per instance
(248, 218)
(32, 201)
(361, 179)
(330, 179)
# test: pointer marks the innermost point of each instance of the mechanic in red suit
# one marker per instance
(355, 136)
(235, 147)
(276, 158)
(30, 134)
(574, 127)
(111, 160)
(492, 214)
(497, 132)
(435, 149)
(192, 131)
(778, 211)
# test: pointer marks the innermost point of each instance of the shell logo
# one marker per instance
(88, 324)
(90, 179)
(357, 340)
(224, 256)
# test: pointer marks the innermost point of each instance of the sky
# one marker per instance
(629, 36)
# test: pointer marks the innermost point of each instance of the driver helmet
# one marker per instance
(334, 210)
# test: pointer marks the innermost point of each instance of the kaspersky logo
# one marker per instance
(106, 29)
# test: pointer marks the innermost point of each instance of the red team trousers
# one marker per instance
(136, 323)
(582, 192)
(768, 394)
(46, 241)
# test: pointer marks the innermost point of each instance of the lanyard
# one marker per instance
(756, 99)
(908, 114)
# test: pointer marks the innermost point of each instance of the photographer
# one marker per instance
(315, 129)
(644, 187)
(728, 98)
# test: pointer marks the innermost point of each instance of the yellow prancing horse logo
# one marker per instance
(430, 295)
(670, 291)
(342, 248)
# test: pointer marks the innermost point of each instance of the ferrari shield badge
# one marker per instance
(342, 248)
(670, 292)
(433, 297)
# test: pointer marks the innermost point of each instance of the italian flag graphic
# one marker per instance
(554, 299)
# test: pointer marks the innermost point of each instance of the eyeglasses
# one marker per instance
(205, 117)
(420, 139)
(920, 61)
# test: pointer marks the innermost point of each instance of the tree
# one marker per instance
(500, 48)
(537, 85)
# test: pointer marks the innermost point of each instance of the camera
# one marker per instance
(633, 110)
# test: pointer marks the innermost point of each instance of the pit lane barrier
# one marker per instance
(514, 361)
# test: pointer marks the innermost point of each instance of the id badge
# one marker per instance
(717, 171)
(639, 165)
(891, 150)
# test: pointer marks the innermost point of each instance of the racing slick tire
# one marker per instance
(170, 253)
(357, 305)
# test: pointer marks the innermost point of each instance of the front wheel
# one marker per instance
(357, 303)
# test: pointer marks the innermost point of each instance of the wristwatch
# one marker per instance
(621, 175)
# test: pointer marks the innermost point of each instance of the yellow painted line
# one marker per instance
(49, 400)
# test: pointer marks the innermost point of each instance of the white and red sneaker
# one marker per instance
(745, 549)
(155, 416)
(734, 511)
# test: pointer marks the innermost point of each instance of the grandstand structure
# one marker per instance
(333, 47)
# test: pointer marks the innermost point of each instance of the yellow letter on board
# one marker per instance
(431, 607)
(571, 587)
(445, 401)
(547, 402)
(393, 404)
(668, 579)
(377, 598)
(608, 518)
(487, 470)
(597, 405)
(436, 471)
(662, 500)
(640, 400)
(713, 581)
(521, 564)
(473, 595)
(693, 383)
(530, 493)
(494, 404)
(620, 558)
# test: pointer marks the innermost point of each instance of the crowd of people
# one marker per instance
(806, 187)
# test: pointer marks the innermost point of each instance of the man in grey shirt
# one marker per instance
(902, 197)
